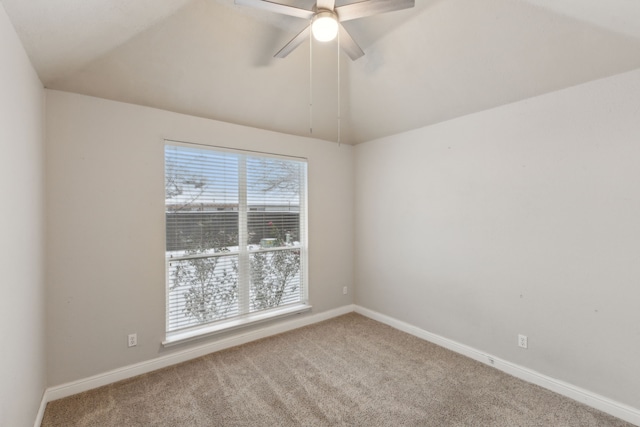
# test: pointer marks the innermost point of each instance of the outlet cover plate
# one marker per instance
(523, 341)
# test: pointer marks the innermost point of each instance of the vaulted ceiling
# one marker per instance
(440, 60)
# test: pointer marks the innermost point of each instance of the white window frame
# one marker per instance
(246, 318)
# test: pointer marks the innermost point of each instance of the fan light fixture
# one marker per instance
(325, 20)
(324, 26)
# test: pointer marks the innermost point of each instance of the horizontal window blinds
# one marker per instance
(235, 234)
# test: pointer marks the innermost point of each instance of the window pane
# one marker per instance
(275, 278)
(202, 290)
(201, 199)
(273, 193)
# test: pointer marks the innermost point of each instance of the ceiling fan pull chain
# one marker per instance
(339, 93)
(311, 85)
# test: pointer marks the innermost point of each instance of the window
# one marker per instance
(235, 238)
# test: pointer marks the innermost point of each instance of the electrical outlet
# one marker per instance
(345, 290)
(523, 341)
(132, 340)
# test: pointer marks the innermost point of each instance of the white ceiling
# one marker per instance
(437, 61)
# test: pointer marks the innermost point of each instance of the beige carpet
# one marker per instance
(347, 371)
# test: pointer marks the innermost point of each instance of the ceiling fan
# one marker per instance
(325, 20)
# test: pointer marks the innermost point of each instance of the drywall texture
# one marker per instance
(518, 220)
(105, 226)
(22, 366)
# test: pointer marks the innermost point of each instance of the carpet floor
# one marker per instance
(347, 371)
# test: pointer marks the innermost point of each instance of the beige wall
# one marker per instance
(521, 219)
(105, 222)
(22, 354)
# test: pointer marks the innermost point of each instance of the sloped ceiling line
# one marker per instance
(441, 60)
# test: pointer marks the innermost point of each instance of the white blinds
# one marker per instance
(235, 234)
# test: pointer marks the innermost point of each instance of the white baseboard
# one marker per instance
(75, 387)
(43, 406)
(594, 400)
(619, 410)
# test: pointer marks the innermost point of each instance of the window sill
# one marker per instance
(230, 325)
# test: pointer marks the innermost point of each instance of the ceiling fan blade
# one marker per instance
(277, 8)
(371, 7)
(349, 45)
(326, 4)
(294, 43)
